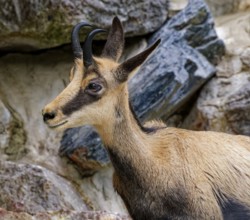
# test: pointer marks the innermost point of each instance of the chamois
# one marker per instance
(160, 172)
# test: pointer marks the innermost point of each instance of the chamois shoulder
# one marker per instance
(201, 142)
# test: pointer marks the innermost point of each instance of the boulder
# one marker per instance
(32, 189)
(31, 25)
(181, 65)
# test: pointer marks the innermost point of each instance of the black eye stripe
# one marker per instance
(84, 97)
(81, 99)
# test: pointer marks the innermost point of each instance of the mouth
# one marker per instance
(58, 125)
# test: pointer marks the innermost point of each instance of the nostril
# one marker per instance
(48, 115)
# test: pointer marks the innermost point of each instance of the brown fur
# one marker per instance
(160, 172)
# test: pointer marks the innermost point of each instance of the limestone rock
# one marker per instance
(12, 134)
(27, 83)
(5, 120)
(179, 67)
(223, 104)
(222, 7)
(33, 189)
(29, 25)
(245, 57)
(176, 6)
(234, 30)
(99, 189)
(69, 215)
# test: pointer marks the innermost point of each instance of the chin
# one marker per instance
(61, 126)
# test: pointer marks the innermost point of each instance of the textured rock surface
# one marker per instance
(59, 215)
(33, 189)
(222, 7)
(12, 133)
(224, 103)
(34, 80)
(169, 78)
(178, 68)
(5, 121)
(28, 25)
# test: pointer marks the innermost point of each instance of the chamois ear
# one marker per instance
(129, 66)
(115, 41)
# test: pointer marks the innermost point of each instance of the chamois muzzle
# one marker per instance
(48, 116)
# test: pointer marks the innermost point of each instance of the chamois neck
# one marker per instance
(124, 127)
(127, 144)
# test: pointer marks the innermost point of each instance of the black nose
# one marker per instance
(48, 116)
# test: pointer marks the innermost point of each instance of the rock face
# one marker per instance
(224, 103)
(28, 25)
(179, 67)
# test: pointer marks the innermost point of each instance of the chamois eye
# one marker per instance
(93, 87)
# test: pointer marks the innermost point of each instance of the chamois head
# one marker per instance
(95, 82)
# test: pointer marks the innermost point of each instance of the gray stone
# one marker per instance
(222, 7)
(12, 134)
(5, 120)
(223, 106)
(29, 25)
(237, 110)
(179, 67)
(234, 30)
(59, 215)
(245, 57)
(33, 189)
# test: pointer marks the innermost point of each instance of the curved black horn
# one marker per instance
(76, 47)
(87, 47)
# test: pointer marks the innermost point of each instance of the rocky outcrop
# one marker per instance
(179, 67)
(31, 25)
(224, 103)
